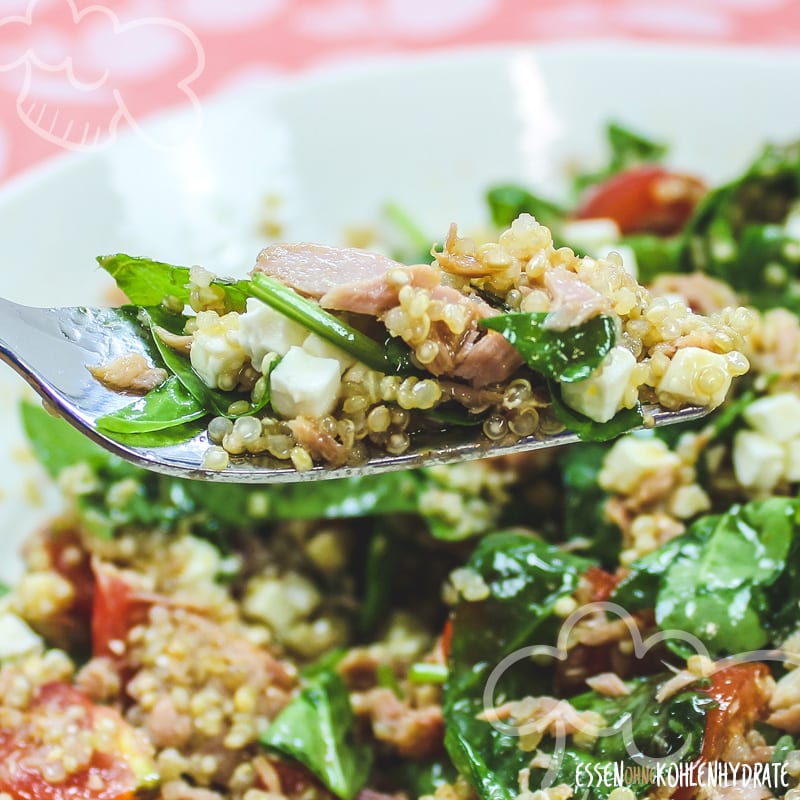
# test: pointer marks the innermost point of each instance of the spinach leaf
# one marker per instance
(740, 231)
(565, 356)
(420, 778)
(659, 729)
(214, 401)
(379, 573)
(415, 247)
(166, 406)
(317, 729)
(628, 149)
(57, 445)
(148, 283)
(526, 577)
(507, 201)
(726, 580)
(213, 509)
(674, 727)
(587, 429)
(585, 502)
(394, 359)
(654, 254)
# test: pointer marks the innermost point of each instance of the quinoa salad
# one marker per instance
(331, 355)
(614, 619)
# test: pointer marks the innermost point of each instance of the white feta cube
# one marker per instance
(305, 385)
(317, 346)
(598, 237)
(777, 416)
(264, 330)
(16, 638)
(791, 463)
(696, 376)
(590, 234)
(631, 459)
(600, 396)
(216, 354)
(758, 462)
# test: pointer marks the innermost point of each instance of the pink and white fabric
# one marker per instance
(74, 72)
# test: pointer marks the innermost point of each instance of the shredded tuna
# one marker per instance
(608, 684)
(413, 732)
(537, 716)
(314, 269)
(476, 400)
(129, 373)
(464, 264)
(702, 294)
(785, 703)
(180, 790)
(573, 302)
(376, 295)
(678, 682)
(166, 726)
(491, 359)
(176, 342)
(318, 442)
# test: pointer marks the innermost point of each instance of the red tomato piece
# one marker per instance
(602, 584)
(117, 608)
(447, 639)
(741, 693)
(111, 775)
(646, 199)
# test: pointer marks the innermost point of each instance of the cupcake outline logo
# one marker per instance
(80, 82)
(657, 770)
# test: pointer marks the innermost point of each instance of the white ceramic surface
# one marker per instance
(430, 133)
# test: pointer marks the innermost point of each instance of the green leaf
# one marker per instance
(587, 429)
(166, 406)
(57, 444)
(585, 502)
(726, 581)
(526, 578)
(317, 729)
(416, 246)
(566, 356)
(655, 255)
(214, 401)
(627, 149)
(394, 359)
(165, 437)
(420, 778)
(379, 574)
(741, 231)
(507, 201)
(149, 283)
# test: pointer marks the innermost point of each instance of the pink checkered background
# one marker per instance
(74, 72)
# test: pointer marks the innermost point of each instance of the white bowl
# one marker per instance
(430, 133)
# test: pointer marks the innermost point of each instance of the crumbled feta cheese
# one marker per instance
(633, 458)
(16, 638)
(600, 396)
(791, 463)
(306, 385)
(201, 562)
(217, 355)
(758, 462)
(264, 330)
(777, 416)
(317, 346)
(589, 234)
(696, 376)
(689, 500)
(598, 237)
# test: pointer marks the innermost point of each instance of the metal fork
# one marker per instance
(52, 347)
